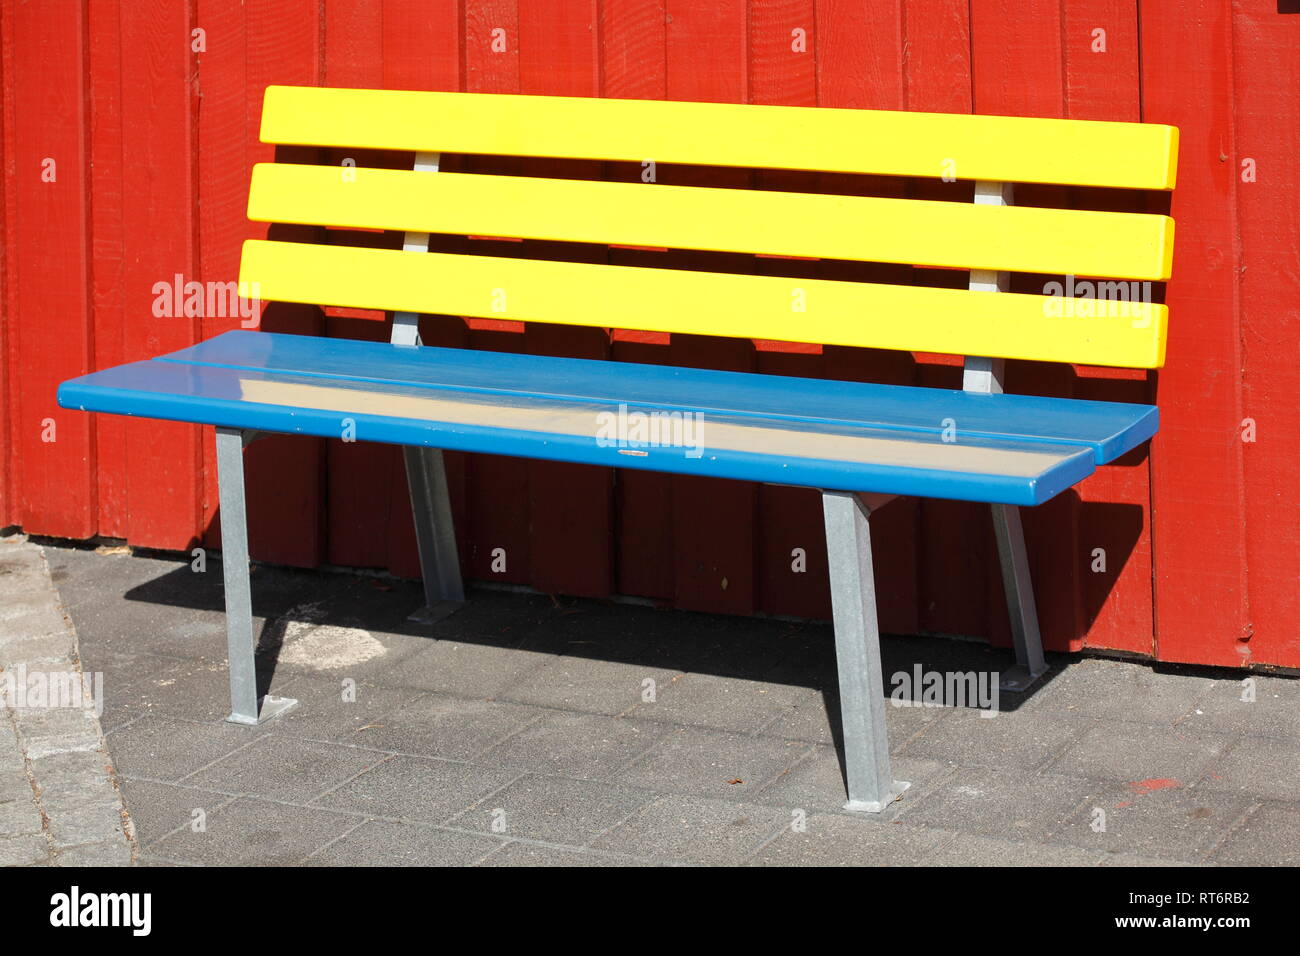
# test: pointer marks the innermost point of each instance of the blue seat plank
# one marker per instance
(1109, 428)
(570, 410)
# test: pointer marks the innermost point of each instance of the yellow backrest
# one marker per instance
(1118, 326)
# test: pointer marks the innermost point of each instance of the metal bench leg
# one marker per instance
(1020, 600)
(435, 533)
(241, 647)
(871, 785)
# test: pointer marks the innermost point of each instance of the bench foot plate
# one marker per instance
(270, 707)
(432, 614)
(876, 806)
(1018, 679)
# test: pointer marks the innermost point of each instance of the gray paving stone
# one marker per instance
(969, 849)
(578, 745)
(162, 748)
(1131, 752)
(532, 854)
(323, 712)
(554, 809)
(11, 754)
(253, 832)
(1270, 836)
(27, 849)
(464, 669)
(453, 728)
(39, 643)
(1259, 766)
(52, 730)
(817, 783)
(189, 688)
(694, 830)
(159, 808)
(719, 703)
(815, 716)
(284, 768)
(381, 843)
(584, 684)
(420, 789)
(710, 763)
(1017, 804)
(15, 785)
(158, 861)
(1009, 739)
(847, 840)
(1274, 712)
(108, 853)
(341, 634)
(89, 822)
(568, 668)
(19, 815)
(1130, 859)
(1172, 823)
(1119, 691)
(74, 778)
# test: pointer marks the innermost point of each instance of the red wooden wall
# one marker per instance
(151, 130)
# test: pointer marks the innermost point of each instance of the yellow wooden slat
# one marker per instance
(946, 234)
(909, 318)
(1000, 148)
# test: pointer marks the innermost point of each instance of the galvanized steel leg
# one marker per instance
(241, 646)
(434, 532)
(870, 782)
(984, 374)
(1021, 608)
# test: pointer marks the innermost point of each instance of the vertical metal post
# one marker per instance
(985, 374)
(868, 777)
(241, 646)
(426, 474)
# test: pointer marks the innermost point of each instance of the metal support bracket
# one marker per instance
(241, 645)
(986, 375)
(868, 778)
(426, 475)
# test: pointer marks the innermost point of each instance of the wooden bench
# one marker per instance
(860, 443)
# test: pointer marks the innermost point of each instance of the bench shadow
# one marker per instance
(760, 649)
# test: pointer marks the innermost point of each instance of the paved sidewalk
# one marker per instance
(59, 798)
(525, 731)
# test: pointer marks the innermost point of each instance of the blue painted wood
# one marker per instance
(1013, 449)
(1110, 428)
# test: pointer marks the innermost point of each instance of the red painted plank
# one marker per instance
(572, 505)
(936, 34)
(498, 498)
(1267, 117)
(285, 474)
(9, 515)
(1102, 82)
(422, 51)
(861, 66)
(951, 594)
(1020, 73)
(421, 45)
(784, 44)
(360, 475)
(107, 228)
(491, 46)
(1101, 60)
(52, 329)
(159, 243)
(223, 165)
(1199, 511)
(633, 51)
(713, 520)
